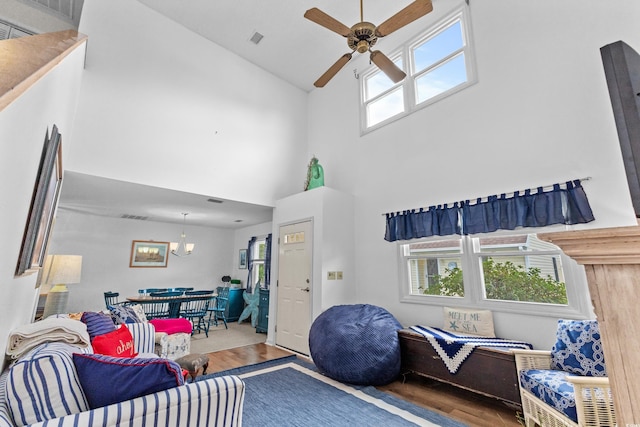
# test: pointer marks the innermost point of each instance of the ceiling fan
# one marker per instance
(363, 35)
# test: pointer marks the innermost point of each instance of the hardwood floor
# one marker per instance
(469, 408)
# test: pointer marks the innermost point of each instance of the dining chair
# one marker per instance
(217, 311)
(156, 309)
(180, 289)
(166, 308)
(165, 294)
(148, 291)
(111, 299)
(195, 309)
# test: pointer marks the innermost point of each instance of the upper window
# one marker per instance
(519, 272)
(437, 63)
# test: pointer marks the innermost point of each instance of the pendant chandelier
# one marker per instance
(182, 248)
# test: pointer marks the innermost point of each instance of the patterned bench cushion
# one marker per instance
(46, 367)
(552, 388)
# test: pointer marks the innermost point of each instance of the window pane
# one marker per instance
(438, 47)
(435, 268)
(513, 271)
(509, 279)
(385, 107)
(257, 274)
(379, 82)
(442, 78)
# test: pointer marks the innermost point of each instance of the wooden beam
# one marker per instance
(611, 257)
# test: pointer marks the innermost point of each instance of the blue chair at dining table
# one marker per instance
(218, 309)
(194, 307)
(158, 308)
(149, 291)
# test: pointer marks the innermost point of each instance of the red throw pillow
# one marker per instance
(172, 326)
(118, 343)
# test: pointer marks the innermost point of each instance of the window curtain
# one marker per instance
(250, 263)
(562, 204)
(435, 221)
(267, 262)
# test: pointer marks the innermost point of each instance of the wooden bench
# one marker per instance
(487, 371)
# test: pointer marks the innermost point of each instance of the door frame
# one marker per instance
(275, 275)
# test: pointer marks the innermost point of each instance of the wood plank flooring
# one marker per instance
(464, 406)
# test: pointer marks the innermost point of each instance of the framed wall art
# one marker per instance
(242, 261)
(149, 254)
(43, 206)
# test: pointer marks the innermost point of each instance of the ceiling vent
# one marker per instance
(256, 37)
(214, 201)
(138, 217)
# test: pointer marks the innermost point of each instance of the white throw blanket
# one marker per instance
(26, 337)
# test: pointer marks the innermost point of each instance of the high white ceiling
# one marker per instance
(293, 48)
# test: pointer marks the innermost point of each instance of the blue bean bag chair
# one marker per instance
(356, 344)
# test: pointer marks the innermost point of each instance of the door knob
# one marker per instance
(305, 289)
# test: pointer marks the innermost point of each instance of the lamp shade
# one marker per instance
(59, 271)
(62, 269)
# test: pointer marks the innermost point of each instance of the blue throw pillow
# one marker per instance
(97, 323)
(578, 348)
(122, 314)
(106, 380)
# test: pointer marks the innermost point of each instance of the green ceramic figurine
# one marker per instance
(315, 175)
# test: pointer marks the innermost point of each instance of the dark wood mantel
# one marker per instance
(611, 257)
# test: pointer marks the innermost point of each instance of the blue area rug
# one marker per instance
(290, 392)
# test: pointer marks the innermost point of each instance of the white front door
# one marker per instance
(293, 319)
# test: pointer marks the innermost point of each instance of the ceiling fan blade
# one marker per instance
(407, 15)
(387, 67)
(321, 18)
(333, 70)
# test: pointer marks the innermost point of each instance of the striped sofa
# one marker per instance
(51, 394)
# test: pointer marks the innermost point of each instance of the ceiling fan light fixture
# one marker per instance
(362, 36)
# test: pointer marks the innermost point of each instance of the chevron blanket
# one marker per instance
(454, 349)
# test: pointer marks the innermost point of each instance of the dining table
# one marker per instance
(173, 301)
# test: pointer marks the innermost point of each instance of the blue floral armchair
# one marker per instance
(566, 386)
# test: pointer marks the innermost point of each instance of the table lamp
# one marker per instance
(59, 271)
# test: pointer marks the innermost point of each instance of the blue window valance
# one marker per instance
(561, 204)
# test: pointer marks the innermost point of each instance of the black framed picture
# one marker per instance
(242, 263)
(43, 206)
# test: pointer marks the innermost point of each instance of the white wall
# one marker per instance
(162, 106)
(52, 100)
(331, 214)
(539, 114)
(105, 246)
